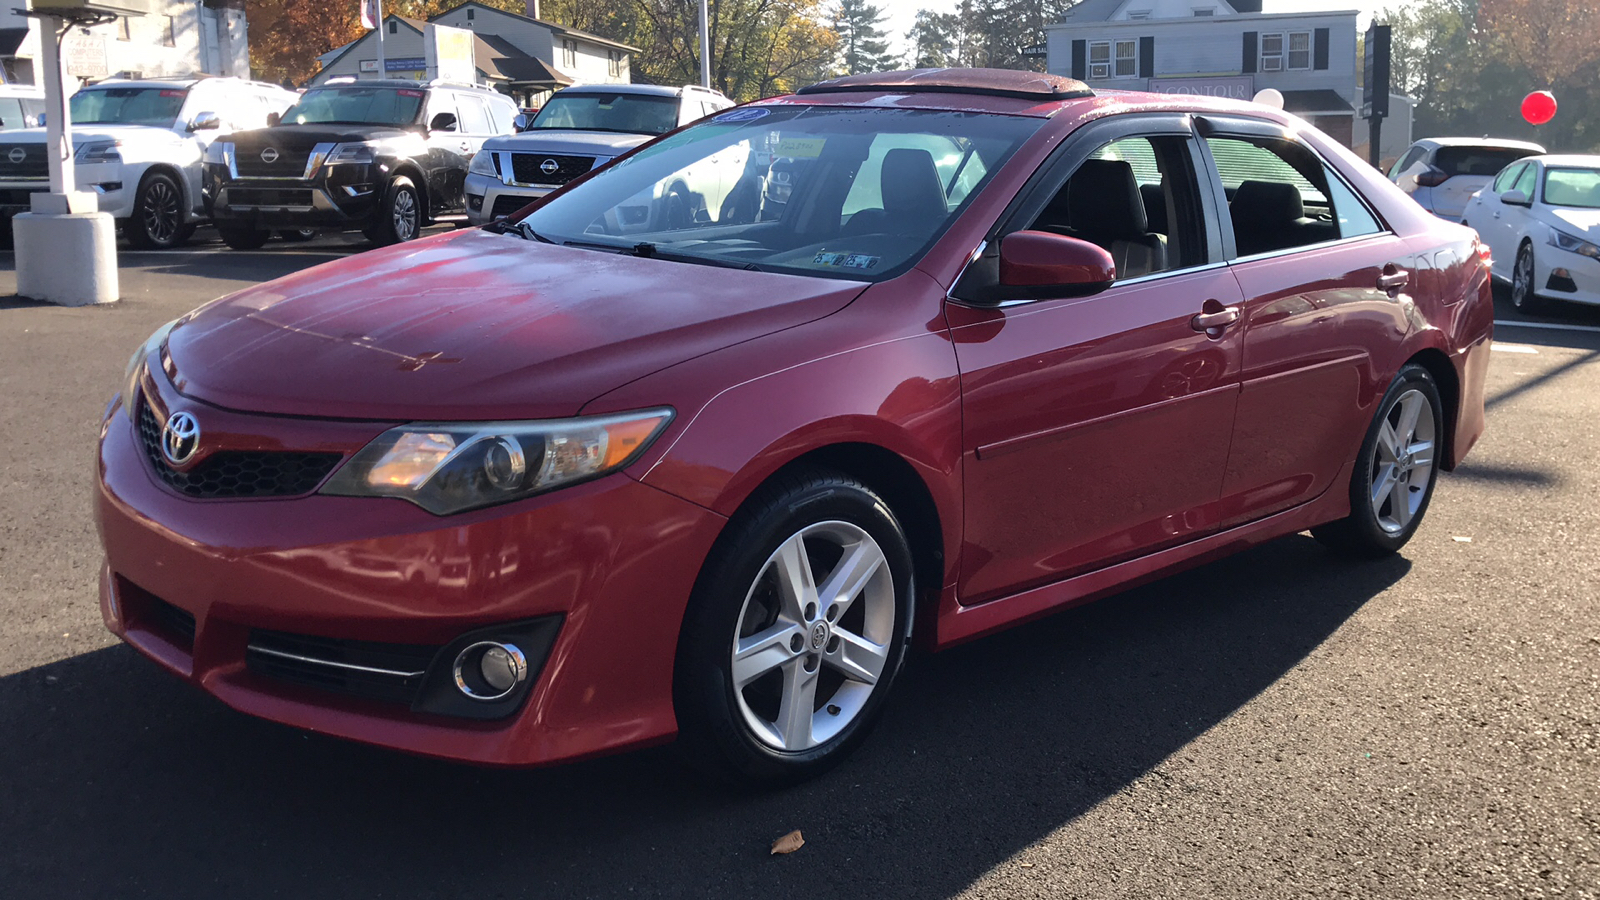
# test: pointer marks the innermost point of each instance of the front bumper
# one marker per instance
(105, 180)
(1564, 275)
(489, 198)
(339, 196)
(195, 584)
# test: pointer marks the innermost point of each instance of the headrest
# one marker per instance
(1266, 204)
(1103, 200)
(911, 186)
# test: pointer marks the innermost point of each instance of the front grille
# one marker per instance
(528, 168)
(236, 473)
(289, 164)
(387, 672)
(178, 623)
(32, 164)
(238, 196)
(506, 204)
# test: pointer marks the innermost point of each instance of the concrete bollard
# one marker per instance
(69, 259)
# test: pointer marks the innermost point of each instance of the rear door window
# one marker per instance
(474, 115)
(1281, 195)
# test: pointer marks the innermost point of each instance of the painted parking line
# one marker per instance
(1548, 326)
(1512, 348)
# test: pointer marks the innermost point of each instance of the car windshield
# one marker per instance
(1485, 161)
(591, 111)
(1579, 188)
(156, 106)
(855, 193)
(357, 106)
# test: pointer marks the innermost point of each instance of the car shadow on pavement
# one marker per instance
(116, 778)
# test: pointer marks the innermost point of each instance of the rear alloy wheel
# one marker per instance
(796, 632)
(400, 218)
(1395, 471)
(1523, 295)
(243, 237)
(157, 220)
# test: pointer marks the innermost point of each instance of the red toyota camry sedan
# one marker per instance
(697, 447)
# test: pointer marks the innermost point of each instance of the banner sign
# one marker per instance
(1233, 87)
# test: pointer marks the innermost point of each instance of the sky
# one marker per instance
(902, 13)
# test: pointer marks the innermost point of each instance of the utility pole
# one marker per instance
(705, 43)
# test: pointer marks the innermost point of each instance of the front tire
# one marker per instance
(797, 628)
(157, 220)
(400, 217)
(1523, 294)
(1396, 470)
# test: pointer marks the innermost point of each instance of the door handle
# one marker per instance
(1217, 319)
(1393, 279)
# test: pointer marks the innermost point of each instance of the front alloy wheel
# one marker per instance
(157, 221)
(795, 633)
(1523, 295)
(400, 218)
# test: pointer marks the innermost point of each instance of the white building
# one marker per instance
(178, 37)
(522, 55)
(1220, 47)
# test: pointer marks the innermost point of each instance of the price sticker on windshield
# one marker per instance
(801, 148)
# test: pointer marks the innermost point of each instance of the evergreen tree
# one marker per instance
(863, 46)
(934, 42)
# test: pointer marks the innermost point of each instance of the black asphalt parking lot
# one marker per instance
(1282, 723)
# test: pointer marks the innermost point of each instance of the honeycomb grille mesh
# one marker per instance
(235, 473)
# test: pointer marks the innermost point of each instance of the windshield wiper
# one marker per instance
(520, 229)
(647, 250)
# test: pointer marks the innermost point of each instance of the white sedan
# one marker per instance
(1541, 220)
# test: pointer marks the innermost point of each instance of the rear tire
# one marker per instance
(297, 235)
(1524, 295)
(400, 215)
(157, 220)
(1396, 470)
(243, 237)
(810, 587)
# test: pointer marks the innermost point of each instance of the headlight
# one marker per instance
(100, 152)
(353, 153)
(1574, 244)
(483, 164)
(217, 152)
(136, 363)
(451, 467)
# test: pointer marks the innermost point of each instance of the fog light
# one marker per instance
(474, 202)
(489, 670)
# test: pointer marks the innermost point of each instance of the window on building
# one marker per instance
(614, 63)
(471, 14)
(1127, 65)
(394, 27)
(569, 54)
(167, 38)
(1100, 59)
(1299, 49)
(1272, 53)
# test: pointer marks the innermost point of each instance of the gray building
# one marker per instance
(1220, 47)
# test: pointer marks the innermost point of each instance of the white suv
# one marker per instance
(1442, 173)
(580, 129)
(138, 144)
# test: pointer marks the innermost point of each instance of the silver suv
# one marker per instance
(580, 129)
(1442, 174)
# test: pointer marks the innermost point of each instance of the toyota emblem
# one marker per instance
(269, 156)
(180, 438)
(17, 155)
(549, 166)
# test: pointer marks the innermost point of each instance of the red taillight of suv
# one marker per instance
(1432, 177)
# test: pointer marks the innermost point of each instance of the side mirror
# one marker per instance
(1515, 198)
(521, 122)
(1036, 265)
(274, 119)
(205, 121)
(443, 122)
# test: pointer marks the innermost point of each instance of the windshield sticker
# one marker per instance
(748, 114)
(845, 260)
(406, 93)
(801, 148)
(172, 93)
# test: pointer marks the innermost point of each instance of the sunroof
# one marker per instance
(993, 82)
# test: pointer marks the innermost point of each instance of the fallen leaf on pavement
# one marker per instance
(789, 843)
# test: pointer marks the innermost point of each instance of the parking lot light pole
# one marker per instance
(66, 249)
(705, 43)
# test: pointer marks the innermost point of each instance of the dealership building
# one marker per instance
(1225, 48)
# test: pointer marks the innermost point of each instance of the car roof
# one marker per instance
(1037, 103)
(1508, 143)
(653, 90)
(1582, 160)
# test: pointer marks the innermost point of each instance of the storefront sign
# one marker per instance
(85, 54)
(1234, 87)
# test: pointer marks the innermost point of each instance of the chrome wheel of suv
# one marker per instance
(157, 221)
(400, 220)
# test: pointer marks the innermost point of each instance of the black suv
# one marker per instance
(384, 156)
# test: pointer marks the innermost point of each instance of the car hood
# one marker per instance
(84, 134)
(1584, 223)
(475, 325)
(569, 143)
